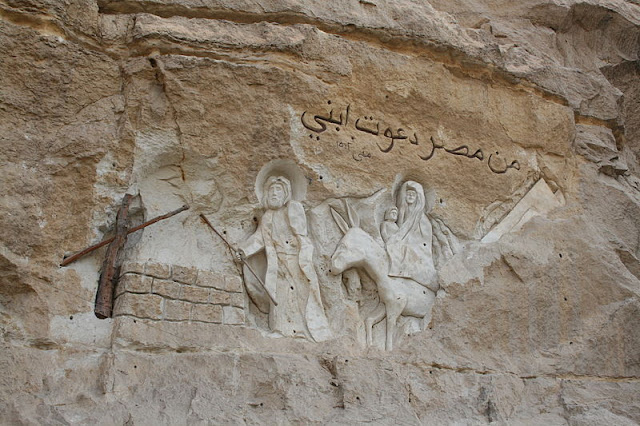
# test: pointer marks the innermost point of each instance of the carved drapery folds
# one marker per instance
(393, 252)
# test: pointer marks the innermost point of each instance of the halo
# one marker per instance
(288, 169)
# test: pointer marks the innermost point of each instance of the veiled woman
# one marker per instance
(409, 249)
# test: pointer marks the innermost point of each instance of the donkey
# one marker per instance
(398, 296)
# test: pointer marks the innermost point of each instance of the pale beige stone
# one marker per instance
(598, 144)
(183, 274)
(120, 288)
(220, 297)
(139, 305)
(194, 294)
(177, 310)
(539, 200)
(206, 313)
(184, 101)
(157, 270)
(211, 279)
(166, 288)
(233, 315)
(233, 283)
(135, 283)
(236, 299)
(132, 267)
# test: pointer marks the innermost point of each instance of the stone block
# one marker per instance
(195, 294)
(157, 270)
(206, 313)
(232, 315)
(166, 288)
(236, 299)
(120, 287)
(134, 283)
(177, 310)
(132, 268)
(233, 283)
(211, 279)
(220, 297)
(184, 275)
(139, 305)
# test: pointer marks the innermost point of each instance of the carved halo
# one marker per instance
(289, 170)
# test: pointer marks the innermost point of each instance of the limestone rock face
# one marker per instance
(517, 122)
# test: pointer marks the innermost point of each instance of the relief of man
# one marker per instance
(290, 275)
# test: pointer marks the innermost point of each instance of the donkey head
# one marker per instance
(352, 248)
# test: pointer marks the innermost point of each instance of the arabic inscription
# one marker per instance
(426, 147)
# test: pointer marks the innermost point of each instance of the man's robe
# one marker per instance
(290, 275)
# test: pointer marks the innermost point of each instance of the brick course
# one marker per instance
(177, 293)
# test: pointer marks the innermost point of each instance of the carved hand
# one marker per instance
(239, 256)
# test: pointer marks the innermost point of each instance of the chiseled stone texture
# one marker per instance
(183, 101)
(141, 305)
(206, 313)
(177, 310)
(143, 295)
(167, 288)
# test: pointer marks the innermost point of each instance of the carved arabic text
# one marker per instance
(319, 123)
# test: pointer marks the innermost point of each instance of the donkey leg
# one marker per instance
(394, 309)
(375, 317)
(431, 300)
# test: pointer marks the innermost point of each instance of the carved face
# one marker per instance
(411, 196)
(393, 214)
(276, 196)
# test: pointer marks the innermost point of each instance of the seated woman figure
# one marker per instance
(409, 248)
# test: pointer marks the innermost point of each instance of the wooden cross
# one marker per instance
(108, 276)
(107, 283)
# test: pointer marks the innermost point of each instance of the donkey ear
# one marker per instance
(354, 219)
(339, 220)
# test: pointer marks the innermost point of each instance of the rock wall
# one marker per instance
(519, 121)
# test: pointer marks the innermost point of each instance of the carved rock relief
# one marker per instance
(295, 258)
(382, 262)
(286, 288)
(360, 266)
(174, 293)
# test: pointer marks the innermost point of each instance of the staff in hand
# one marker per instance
(239, 257)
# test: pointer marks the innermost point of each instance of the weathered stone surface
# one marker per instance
(233, 283)
(213, 280)
(185, 102)
(132, 267)
(73, 19)
(206, 313)
(220, 297)
(157, 270)
(184, 275)
(597, 144)
(232, 315)
(167, 288)
(139, 305)
(135, 283)
(195, 294)
(177, 310)
(237, 299)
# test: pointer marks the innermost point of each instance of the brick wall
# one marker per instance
(174, 293)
